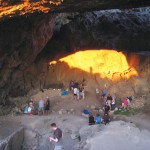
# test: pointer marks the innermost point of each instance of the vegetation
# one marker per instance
(128, 111)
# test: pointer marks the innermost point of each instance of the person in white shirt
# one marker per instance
(97, 93)
(113, 103)
(41, 107)
(75, 91)
(83, 94)
(78, 94)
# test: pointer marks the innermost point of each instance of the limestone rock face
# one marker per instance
(21, 41)
(124, 133)
(12, 8)
(126, 30)
(28, 44)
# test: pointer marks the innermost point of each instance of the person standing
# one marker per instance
(78, 94)
(47, 106)
(41, 107)
(83, 94)
(113, 104)
(97, 93)
(57, 137)
(106, 118)
(106, 108)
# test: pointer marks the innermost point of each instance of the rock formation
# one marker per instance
(29, 43)
(12, 8)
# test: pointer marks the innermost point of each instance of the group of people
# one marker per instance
(125, 103)
(98, 119)
(109, 101)
(43, 107)
(77, 89)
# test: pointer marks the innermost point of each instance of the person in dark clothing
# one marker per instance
(109, 97)
(106, 119)
(47, 106)
(107, 108)
(76, 84)
(130, 98)
(91, 120)
(109, 100)
(57, 137)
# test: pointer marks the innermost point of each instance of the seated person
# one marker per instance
(107, 108)
(31, 104)
(25, 110)
(98, 119)
(64, 93)
(91, 120)
(106, 119)
(130, 98)
(125, 102)
(29, 110)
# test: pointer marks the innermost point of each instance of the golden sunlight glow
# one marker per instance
(53, 62)
(27, 7)
(107, 63)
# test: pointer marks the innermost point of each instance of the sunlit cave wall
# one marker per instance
(28, 44)
(126, 31)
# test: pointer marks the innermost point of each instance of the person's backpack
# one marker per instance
(86, 112)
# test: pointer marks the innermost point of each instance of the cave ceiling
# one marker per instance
(13, 8)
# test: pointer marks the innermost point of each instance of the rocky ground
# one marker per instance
(66, 112)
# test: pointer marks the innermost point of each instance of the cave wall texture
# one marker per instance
(21, 40)
(28, 44)
(12, 8)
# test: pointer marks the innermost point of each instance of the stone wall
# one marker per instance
(14, 141)
(21, 40)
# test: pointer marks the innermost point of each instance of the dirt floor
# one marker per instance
(66, 111)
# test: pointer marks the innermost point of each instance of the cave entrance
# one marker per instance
(108, 64)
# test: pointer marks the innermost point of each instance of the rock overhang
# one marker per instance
(13, 8)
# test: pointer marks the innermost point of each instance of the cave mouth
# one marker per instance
(37, 40)
(40, 54)
(105, 63)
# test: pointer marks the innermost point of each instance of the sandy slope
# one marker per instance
(117, 134)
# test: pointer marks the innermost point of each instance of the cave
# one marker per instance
(46, 44)
(30, 43)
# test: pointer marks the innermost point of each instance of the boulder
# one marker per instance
(60, 112)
